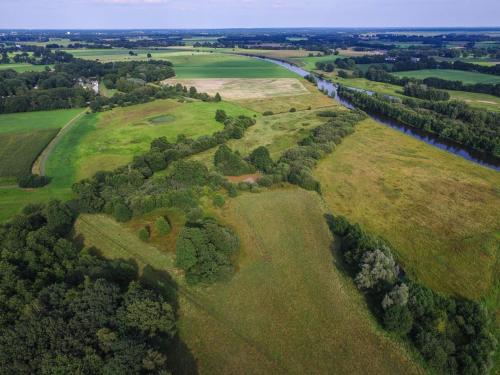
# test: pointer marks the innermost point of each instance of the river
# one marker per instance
(430, 138)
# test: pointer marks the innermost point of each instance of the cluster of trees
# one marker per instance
(325, 66)
(466, 343)
(65, 310)
(480, 136)
(204, 249)
(33, 55)
(380, 74)
(33, 181)
(230, 163)
(423, 91)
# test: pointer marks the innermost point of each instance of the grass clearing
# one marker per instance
(245, 88)
(287, 309)
(452, 75)
(441, 212)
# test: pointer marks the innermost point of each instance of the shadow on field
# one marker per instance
(179, 357)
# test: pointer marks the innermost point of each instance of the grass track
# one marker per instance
(287, 309)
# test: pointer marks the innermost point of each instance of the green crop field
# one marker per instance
(120, 134)
(452, 75)
(287, 310)
(23, 67)
(217, 65)
(19, 150)
(441, 212)
(29, 121)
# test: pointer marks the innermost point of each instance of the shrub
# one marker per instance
(33, 181)
(122, 213)
(398, 319)
(220, 115)
(231, 163)
(293, 109)
(144, 234)
(204, 251)
(162, 226)
(218, 200)
(261, 159)
(265, 181)
(232, 191)
(268, 113)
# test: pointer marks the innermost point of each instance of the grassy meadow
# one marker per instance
(120, 134)
(441, 212)
(40, 120)
(288, 309)
(452, 75)
(278, 133)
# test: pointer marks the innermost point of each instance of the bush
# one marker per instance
(292, 110)
(162, 226)
(204, 251)
(231, 163)
(398, 319)
(261, 159)
(122, 213)
(33, 181)
(265, 181)
(268, 113)
(232, 191)
(220, 115)
(144, 234)
(218, 200)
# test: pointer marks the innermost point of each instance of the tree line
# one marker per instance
(484, 137)
(454, 336)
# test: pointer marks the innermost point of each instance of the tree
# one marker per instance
(122, 213)
(148, 55)
(217, 97)
(218, 200)
(143, 234)
(378, 269)
(59, 217)
(162, 226)
(398, 319)
(220, 115)
(261, 159)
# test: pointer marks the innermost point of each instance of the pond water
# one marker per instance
(432, 139)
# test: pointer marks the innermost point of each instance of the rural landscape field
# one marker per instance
(181, 195)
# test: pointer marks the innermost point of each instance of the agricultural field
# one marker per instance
(277, 54)
(246, 88)
(439, 211)
(248, 323)
(24, 136)
(452, 75)
(21, 67)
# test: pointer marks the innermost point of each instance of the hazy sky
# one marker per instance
(245, 13)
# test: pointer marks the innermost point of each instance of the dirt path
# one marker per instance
(39, 164)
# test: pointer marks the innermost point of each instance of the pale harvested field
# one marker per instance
(245, 88)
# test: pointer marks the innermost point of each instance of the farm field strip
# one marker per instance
(452, 75)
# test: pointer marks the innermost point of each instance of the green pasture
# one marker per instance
(451, 75)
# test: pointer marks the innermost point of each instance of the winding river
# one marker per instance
(432, 139)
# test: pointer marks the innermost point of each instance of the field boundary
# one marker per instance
(38, 166)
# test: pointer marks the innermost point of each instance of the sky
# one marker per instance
(154, 14)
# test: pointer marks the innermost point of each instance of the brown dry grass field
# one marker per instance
(244, 88)
(441, 212)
